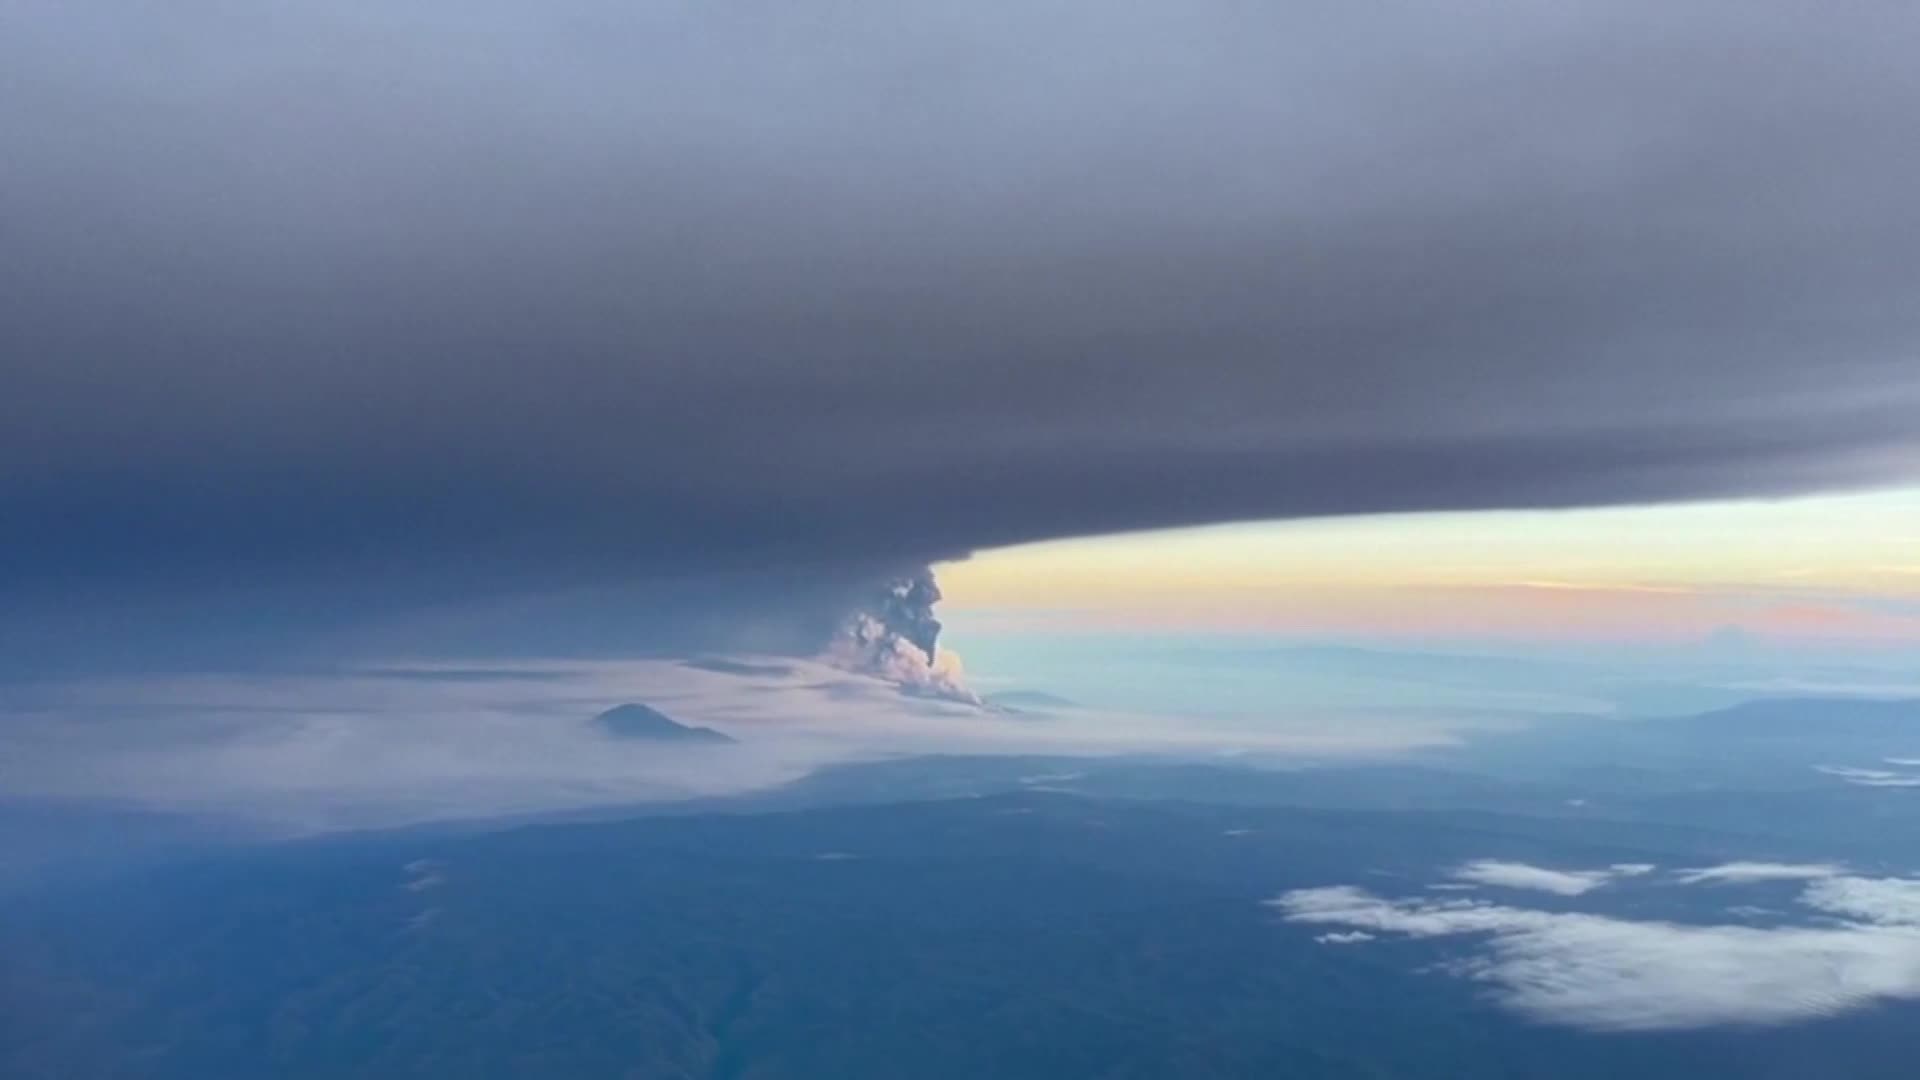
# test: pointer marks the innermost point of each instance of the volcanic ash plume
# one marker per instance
(896, 638)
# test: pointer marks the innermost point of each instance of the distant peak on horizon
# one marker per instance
(636, 721)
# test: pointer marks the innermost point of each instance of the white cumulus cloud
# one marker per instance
(1604, 973)
(1747, 873)
(1871, 777)
(1883, 901)
(1517, 875)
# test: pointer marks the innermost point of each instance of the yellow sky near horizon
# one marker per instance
(1832, 567)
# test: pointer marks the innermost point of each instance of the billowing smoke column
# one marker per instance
(895, 636)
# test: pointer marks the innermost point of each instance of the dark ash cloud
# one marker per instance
(894, 635)
(486, 296)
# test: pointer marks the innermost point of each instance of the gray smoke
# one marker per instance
(895, 636)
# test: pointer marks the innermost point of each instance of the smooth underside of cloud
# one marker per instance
(385, 304)
(1616, 974)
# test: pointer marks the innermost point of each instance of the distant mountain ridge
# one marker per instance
(634, 721)
(1798, 718)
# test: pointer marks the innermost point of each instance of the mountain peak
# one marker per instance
(634, 721)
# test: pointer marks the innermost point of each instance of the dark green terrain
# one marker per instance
(1035, 934)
